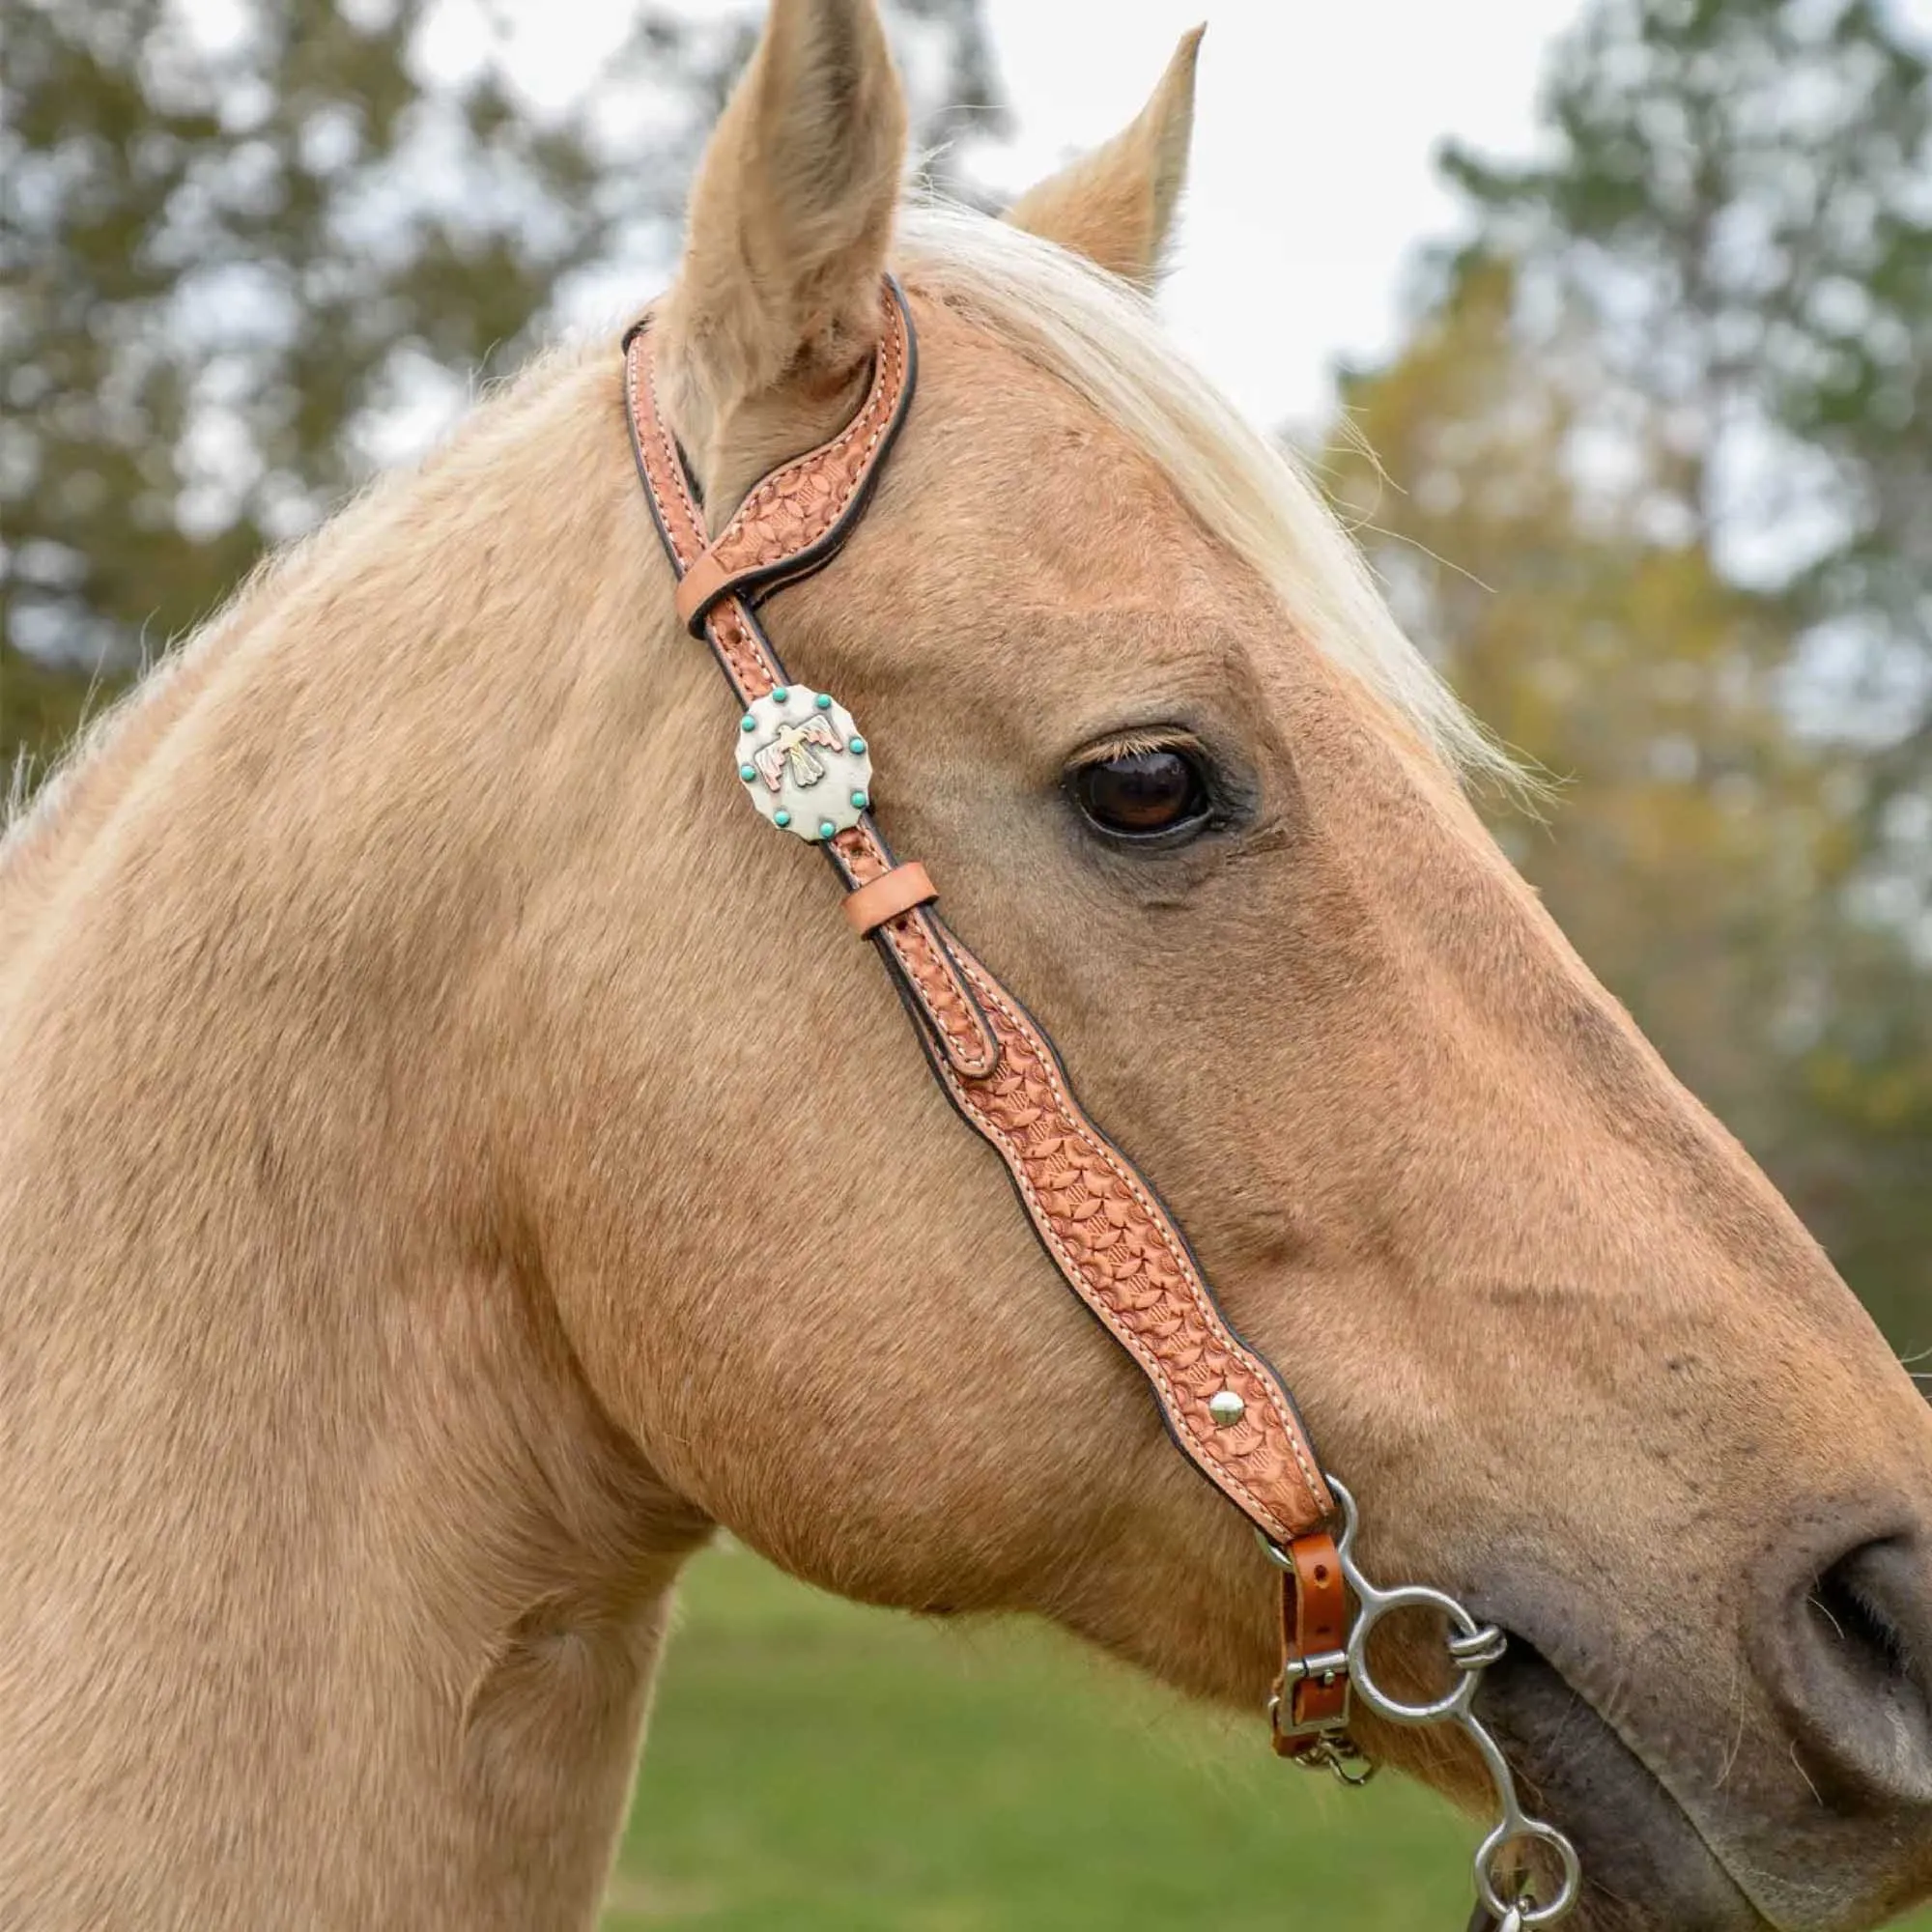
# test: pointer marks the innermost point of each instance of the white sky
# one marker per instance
(1312, 180)
(1311, 177)
(1316, 122)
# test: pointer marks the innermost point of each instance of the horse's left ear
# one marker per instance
(1115, 205)
(777, 301)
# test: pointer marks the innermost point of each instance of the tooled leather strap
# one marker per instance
(793, 520)
(1100, 1222)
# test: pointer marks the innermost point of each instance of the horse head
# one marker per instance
(506, 1165)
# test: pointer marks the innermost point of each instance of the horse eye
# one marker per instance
(1143, 794)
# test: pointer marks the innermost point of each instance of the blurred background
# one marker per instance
(1606, 322)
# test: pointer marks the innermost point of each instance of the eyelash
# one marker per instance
(1129, 743)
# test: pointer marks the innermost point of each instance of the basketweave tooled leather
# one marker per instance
(777, 530)
(1097, 1219)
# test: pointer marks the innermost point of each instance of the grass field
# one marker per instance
(816, 1765)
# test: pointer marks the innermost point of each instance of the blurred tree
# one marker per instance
(1695, 839)
(1736, 195)
(1666, 416)
(249, 252)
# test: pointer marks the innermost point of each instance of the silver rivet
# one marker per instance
(1226, 1407)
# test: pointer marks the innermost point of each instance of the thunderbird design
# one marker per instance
(793, 748)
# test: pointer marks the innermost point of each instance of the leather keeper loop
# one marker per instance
(700, 589)
(885, 897)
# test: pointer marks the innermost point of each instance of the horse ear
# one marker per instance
(790, 215)
(1115, 205)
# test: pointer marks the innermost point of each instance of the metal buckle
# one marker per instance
(1319, 1744)
(1326, 1667)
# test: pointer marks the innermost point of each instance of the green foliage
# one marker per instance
(239, 244)
(1736, 193)
(206, 301)
(1665, 415)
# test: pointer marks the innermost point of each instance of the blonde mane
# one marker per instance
(1106, 341)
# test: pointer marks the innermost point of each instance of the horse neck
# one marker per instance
(332, 1595)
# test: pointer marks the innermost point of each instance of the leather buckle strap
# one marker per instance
(1102, 1225)
(1310, 1700)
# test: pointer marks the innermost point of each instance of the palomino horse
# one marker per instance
(455, 1156)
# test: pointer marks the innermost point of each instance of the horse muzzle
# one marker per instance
(1795, 1794)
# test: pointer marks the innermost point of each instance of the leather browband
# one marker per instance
(1098, 1220)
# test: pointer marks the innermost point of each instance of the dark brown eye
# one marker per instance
(1143, 794)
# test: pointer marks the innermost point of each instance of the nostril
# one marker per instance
(1849, 1602)
(1854, 1676)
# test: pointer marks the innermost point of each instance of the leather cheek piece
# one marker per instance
(1113, 1242)
(1122, 1256)
(887, 897)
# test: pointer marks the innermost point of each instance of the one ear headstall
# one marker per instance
(806, 767)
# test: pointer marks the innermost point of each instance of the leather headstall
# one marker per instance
(804, 766)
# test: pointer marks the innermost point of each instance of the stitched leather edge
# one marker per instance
(797, 517)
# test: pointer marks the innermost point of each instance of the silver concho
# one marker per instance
(804, 763)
